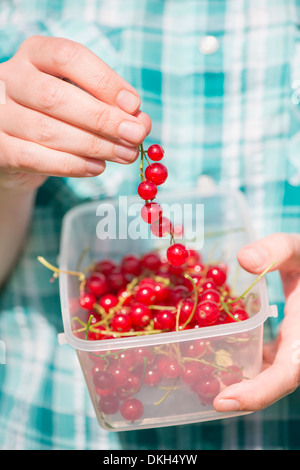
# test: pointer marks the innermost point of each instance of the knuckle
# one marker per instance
(49, 96)
(100, 119)
(64, 51)
(94, 146)
(44, 131)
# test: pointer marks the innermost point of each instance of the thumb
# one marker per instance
(282, 248)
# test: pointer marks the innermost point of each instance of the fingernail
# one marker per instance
(128, 101)
(257, 256)
(131, 131)
(227, 404)
(126, 153)
(94, 168)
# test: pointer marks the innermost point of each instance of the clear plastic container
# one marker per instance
(226, 348)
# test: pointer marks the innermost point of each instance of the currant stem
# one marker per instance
(56, 270)
(187, 276)
(252, 285)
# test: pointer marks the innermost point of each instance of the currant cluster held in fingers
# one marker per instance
(155, 175)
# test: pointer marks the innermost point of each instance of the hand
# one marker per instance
(281, 364)
(69, 127)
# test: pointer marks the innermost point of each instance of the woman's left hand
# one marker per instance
(281, 362)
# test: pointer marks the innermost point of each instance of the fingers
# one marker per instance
(64, 58)
(58, 135)
(18, 155)
(70, 104)
(280, 247)
(256, 394)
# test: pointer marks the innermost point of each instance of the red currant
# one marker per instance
(108, 301)
(155, 152)
(190, 372)
(151, 261)
(217, 274)
(161, 227)
(147, 190)
(108, 404)
(207, 313)
(132, 409)
(145, 295)
(140, 315)
(104, 380)
(131, 264)
(177, 254)
(151, 212)
(121, 323)
(87, 301)
(96, 284)
(157, 173)
(105, 266)
(165, 319)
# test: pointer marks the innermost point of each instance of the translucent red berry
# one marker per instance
(161, 227)
(151, 212)
(132, 409)
(177, 254)
(157, 173)
(155, 152)
(147, 190)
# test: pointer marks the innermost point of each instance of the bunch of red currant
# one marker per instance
(155, 175)
(147, 294)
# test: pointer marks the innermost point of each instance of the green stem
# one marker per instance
(253, 284)
(142, 163)
(88, 326)
(187, 276)
(159, 402)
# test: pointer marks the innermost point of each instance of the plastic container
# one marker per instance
(171, 402)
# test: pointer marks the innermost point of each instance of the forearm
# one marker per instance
(15, 216)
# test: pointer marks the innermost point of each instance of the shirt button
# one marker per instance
(208, 45)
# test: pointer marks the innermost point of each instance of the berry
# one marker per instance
(177, 254)
(186, 310)
(147, 190)
(108, 404)
(168, 367)
(116, 280)
(120, 374)
(108, 301)
(104, 380)
(151, 261)
(211, 294)
(132, 409)
(155, 152)
(140, 315)
(161, 227)
(145, 295)
(217, 274)
(207, 313)
(105, 266)
(151, 212)
(190, 372)
(152, 376)
(157, 173)
(207, 388)
(87, 301)
(121, 323)
(165, 320)
(131, 264)
(239, 314)
(96, 284)
(231, 375)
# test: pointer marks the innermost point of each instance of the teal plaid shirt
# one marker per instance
(221, 82)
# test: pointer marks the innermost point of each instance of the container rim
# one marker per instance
(158, 338)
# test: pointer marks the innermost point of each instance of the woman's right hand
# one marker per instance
(66, 113)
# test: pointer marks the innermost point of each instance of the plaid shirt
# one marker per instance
(220, 80)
